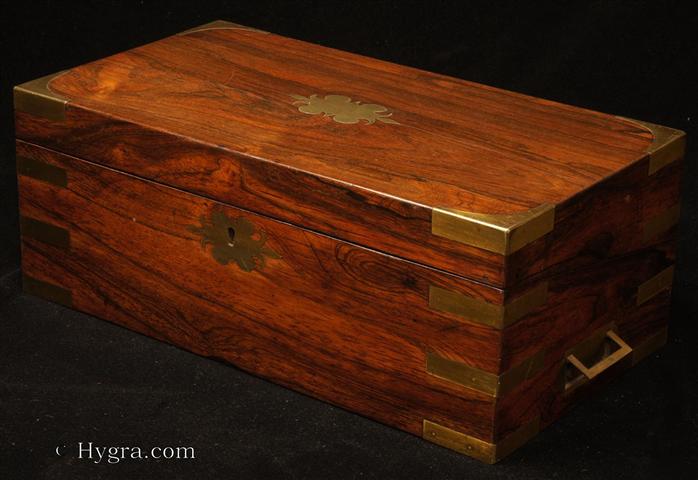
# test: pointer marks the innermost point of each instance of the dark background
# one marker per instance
(66, 377)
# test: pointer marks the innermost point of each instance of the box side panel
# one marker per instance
(624, 213)
(582, 300)
(347, 325)
(608, 316)
(643, 328)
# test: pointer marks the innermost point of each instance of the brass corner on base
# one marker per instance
(220, 25)
(47, 291)
(36, 98)
(479, 449)
(668, 144)
(499, 233)
(650, 345)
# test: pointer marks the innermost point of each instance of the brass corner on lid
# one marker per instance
(499, 233)
(668, 144)
(220, 25)
(36, 98)
(479, 449)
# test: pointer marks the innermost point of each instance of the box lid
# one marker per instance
(440, 171)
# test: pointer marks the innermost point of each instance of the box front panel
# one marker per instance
(345, 324)
(463, 364)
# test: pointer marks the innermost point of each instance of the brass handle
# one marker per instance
(608, 360)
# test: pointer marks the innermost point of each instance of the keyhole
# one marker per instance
(231, 236)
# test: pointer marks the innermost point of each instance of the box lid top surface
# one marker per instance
(421, 139)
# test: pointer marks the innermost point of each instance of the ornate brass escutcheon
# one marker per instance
(342, 109)
(234, 240)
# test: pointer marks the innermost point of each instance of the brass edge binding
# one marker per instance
(661, 223)
(480, 311)
(484, 382)
(479, 449)
(499, 233)
(655, 285)
(44, 232)
(46, 290)
(35, 97)
(31, 167)
(650, 345)
(668, 144)
(220, 25)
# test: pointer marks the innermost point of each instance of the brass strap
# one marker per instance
(45, 232)
(484, 382)
(480, 311)
(30, 167)
(650, 344)
(655, 285)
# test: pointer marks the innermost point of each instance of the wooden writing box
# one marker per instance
(457, 261)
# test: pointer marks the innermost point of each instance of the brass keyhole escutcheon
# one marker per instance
(234, 240)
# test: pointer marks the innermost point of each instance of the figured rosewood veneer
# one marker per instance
(455, 260)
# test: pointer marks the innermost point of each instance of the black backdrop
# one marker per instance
(628, 58)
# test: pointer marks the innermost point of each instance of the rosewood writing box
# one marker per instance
(455, 260)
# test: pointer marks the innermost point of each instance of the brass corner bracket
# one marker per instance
(485, 382)
(220, 25)
(655, 285)
(39, 170)
(650, 345)
(479, 311)
(499, 233)
(44, 232)
(479, 449)
(661, 222)
(668, 144)
(47, 291)
(36, 98)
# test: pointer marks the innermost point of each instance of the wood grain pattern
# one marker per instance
(544, 396)
(603, 222)
(580, 300)
(155, 138)
(340, 322)
(210, 112)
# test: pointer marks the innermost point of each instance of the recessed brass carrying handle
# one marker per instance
(608, 360)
